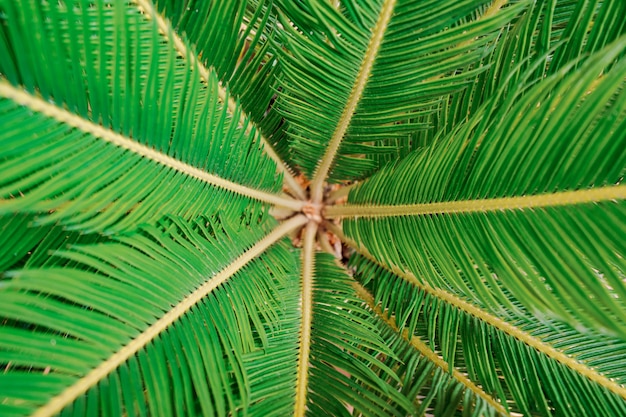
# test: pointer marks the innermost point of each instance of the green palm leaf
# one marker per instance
(241, 53)
(173, 172)
(116, 298)
(340, 367)
(498, 355)
(181, 112)
(442, 390)
(374, 96)
(555, 186)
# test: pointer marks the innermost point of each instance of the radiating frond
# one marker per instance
(368, 70)
(346, 352)
(240, 51)
(527, 379)
(559, 257)
(137, 94)
(109, 320)
(170, 172)
(524, 53)
(436, 387)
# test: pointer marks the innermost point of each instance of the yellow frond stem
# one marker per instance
(308, 272)
(491, 320)
(561, 198)
(41, 106)
(56, 404)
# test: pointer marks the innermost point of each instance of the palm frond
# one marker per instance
(101, 323)
(171, 170)
(239, 49)
(348, 88)
(525, 379)
(346, 351)
(523, 55)
(436, 387)
(154, 105)
(541, 249)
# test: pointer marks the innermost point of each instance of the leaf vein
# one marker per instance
(491, 320)
(39, 105)
(562, 198)
(56, 404)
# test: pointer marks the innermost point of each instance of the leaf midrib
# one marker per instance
(58, 403)
(491, 320)
(556, 199)
(308, 271)
(55, 112)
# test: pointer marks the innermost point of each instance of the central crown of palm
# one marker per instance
(450, 171)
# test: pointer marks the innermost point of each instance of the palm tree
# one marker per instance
(290, 207)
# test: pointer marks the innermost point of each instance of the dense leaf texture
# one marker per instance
(503, 365)
(145, 146)
(115, 290)
(430, 35)
(243, 59)
(123, 69)
(340, 366)
(439, 392)
(514, 242)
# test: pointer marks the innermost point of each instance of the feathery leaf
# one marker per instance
(348, 86)
(545, 254)
(106, 308)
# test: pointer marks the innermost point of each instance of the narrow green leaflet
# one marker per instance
(271, 371)
(524, 53)
(136, 113)
(543, 229)
(522, 378)
(13, 252)
(348, 89)
(588, 26)
(94, 311)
